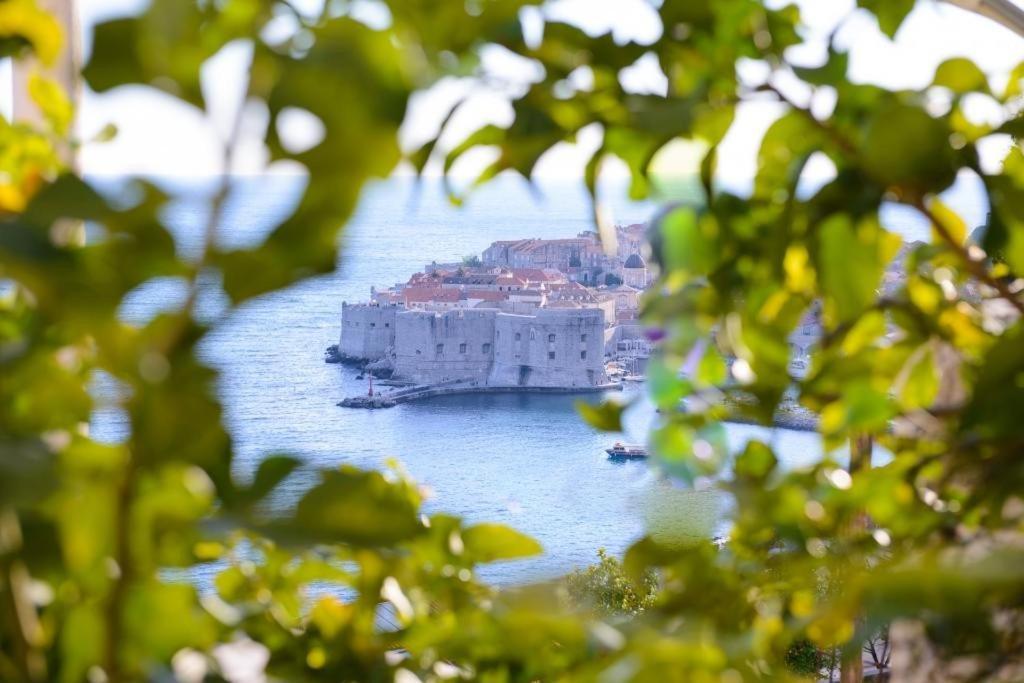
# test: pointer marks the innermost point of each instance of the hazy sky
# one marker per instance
(158, 135)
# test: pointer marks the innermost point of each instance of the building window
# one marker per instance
(389, 325)
(583, 337)
(486, 349)
(551, 338)
(518, 336)
(418, 352)
(551, 355)
(440, 349)
(373, 324)
(462, 347)
(583, 355)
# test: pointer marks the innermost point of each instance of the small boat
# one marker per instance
(620, 450)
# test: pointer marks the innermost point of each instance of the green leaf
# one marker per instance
(1013, 83)
(904, 146)
(27, 472)
(756, 462)
(272, 471)
(165, 48)
(851, 260)
(351, 63)
(832, 72)
(994, 409)
(66, 197)
(961, 75)
(921, 385)
(890, 13)
(690, 241)
(950, 223)
(351, 506)
(491, 542)
(52, 102)
(160, 619)
(785, 149)
(1003, 236)
(606, 416)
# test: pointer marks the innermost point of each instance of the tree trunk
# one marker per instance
(861, 447)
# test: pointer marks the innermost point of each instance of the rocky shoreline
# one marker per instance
(381, 369)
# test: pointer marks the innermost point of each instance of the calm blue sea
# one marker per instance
(527, 461)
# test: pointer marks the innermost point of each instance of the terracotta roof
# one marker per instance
(471, 279)
(566, 286)
(537, 274)
(428, 294)
(527, 292)
(485, 295)
(506, 279)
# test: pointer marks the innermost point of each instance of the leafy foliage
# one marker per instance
(606, 587)
(928, 365)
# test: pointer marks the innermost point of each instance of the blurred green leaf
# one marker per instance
(606, 416)
(961, 75)
(351, 506)
(890, 13)
(491, 542)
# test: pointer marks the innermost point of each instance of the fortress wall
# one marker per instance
(555, 348)
(367, 330)
(614, 335)
(455, 345)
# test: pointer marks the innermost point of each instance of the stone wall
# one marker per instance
(553, 348)
(432, 348)
(613, 335)
(367, 330)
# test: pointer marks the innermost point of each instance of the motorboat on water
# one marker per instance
(630, 451)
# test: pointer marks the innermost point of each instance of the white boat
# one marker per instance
(630, 451)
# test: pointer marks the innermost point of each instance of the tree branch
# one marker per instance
(975, 267)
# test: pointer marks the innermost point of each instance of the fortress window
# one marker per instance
(551, 355)
(418, 352)
(440, 349)
(389, 325)
(518, 336)
(583, 355)
(583, 337)
(373, 324)
(551, 338)
(486, 349)
(462, 347)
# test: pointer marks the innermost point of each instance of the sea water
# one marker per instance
(528, 461)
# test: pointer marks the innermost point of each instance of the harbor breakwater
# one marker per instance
(389, 399)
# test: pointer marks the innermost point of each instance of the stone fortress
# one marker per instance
(532, 314)
(552, 348)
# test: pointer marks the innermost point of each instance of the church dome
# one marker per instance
(635, 261)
